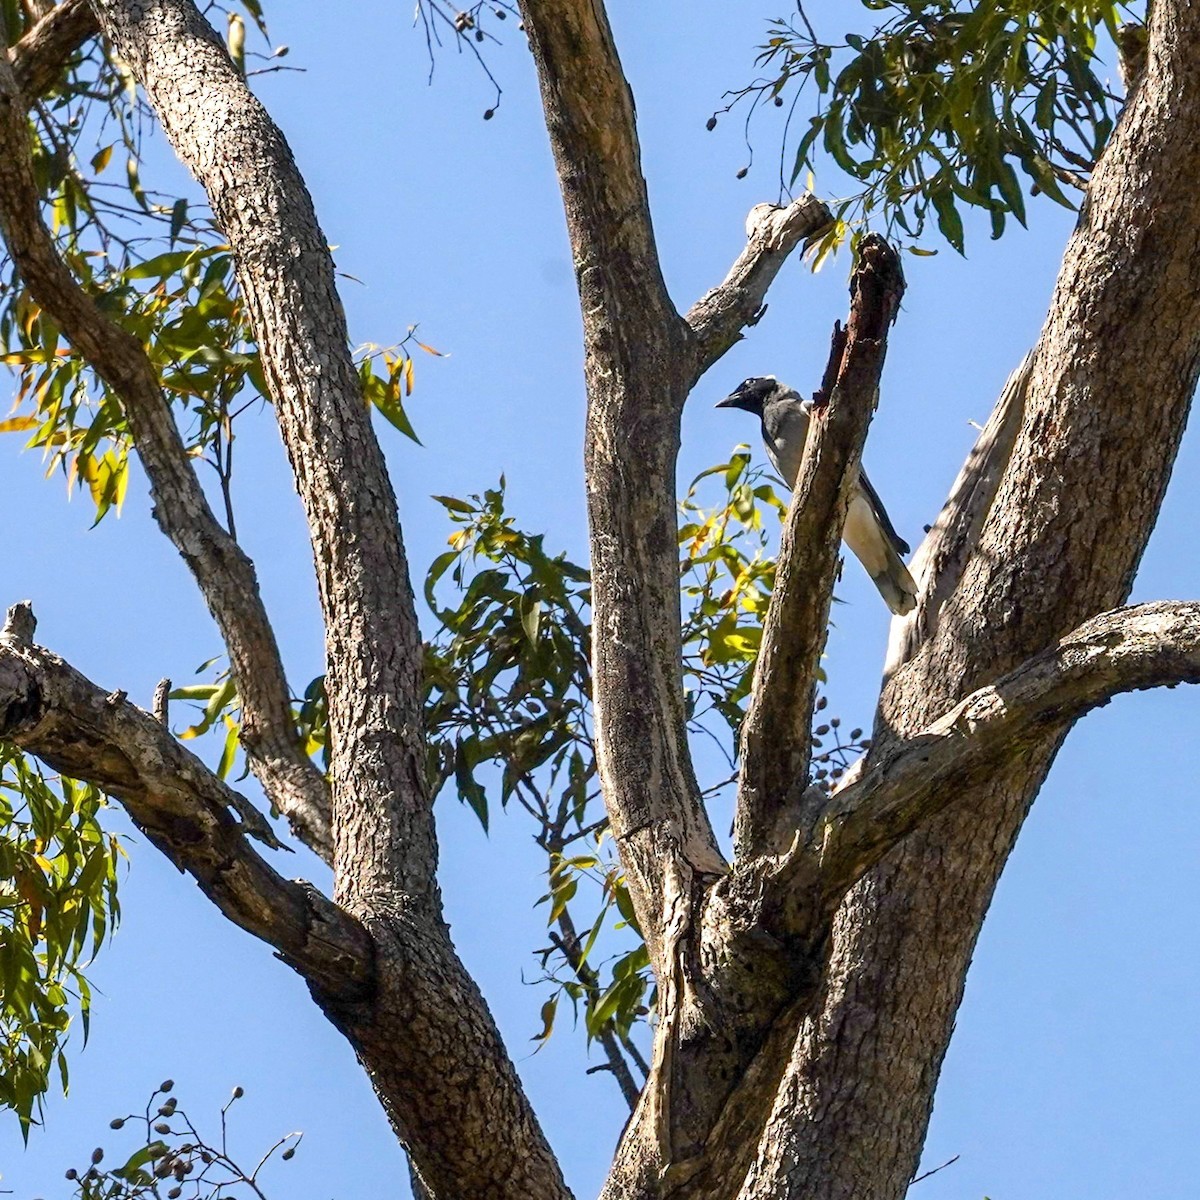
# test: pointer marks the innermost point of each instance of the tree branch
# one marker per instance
(223, 571)
(1110, 387)
(776, 737)
(718, 318)
(941, 558)
(49, 709)
(426, 1028)
(913, 779)
(570, 948)
(638, 373)
(218, 128)
(38, 58)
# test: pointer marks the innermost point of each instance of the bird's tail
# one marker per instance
(871, 537)
(896, 585)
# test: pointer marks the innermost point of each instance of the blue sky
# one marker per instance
(1072, 1072)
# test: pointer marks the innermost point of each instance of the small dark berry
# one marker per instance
(479, 35)
(778, 101)
(835, 721)
(711, 124)
(489, 114)
(116, 1123)
(162, 1127)
(290, 1152)
(238, 1092)
(72, 1173)
(743, 173)
(822, 730)
(167, 1085)
(97, 1154)
(855, 734)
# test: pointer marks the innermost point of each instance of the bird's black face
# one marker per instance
(751, 394)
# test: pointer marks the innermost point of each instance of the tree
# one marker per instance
(799, 1010)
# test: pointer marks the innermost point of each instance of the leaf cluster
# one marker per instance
(947, 105)
(58, 900)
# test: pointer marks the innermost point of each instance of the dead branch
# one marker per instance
(776, 737)
(718, 318)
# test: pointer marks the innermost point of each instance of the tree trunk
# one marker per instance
(1109, 392)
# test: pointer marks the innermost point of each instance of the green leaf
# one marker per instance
(948, 218)
(549, 1009)
(179, 212)
(531, 610)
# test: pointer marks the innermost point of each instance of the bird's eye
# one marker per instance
(746, 383)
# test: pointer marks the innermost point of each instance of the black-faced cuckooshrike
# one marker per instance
(869, 533)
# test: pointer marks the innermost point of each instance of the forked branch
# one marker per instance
(49, 709)
(221, 568)
(638, 376)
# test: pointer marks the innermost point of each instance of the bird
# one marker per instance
(868, 531)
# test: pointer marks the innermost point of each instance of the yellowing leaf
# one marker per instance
(16, 424)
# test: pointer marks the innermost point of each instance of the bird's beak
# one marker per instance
(733, 400)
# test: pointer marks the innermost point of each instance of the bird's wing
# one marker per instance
(785, 430)
(868, 530)
(880, 513)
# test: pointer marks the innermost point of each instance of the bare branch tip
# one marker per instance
(162, 699)
(20, 623)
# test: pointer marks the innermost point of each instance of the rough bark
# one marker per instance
(638, 375)
(285, 271)
(223, 571)
(1108, 393)
(425, 1036)
(39, 56)
(199, 823)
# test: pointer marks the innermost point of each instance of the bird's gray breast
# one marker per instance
(785, 430)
